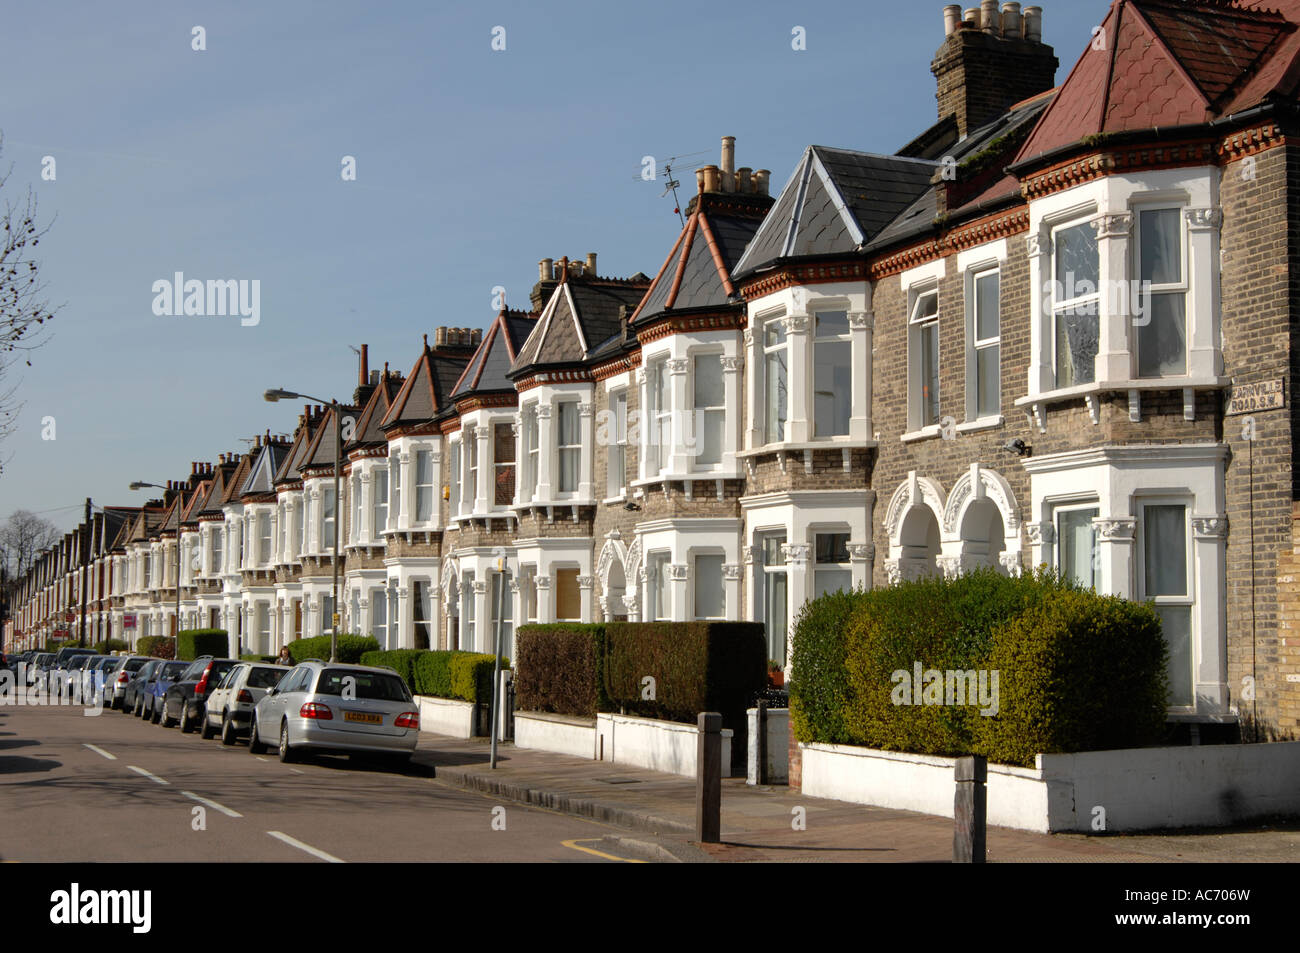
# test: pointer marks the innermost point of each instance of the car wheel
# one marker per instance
(206, 730)
(228, 736)
(186, 727)
(287, 754)
(255, 745)
(167, 720)
(155, 714)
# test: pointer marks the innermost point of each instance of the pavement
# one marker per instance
(656, 815)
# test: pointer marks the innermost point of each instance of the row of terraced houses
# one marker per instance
(1056, 328)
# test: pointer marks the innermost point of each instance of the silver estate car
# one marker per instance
(340, 709)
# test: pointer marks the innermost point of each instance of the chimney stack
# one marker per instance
(364, 375)
(990, 61)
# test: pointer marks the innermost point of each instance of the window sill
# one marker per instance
(830, 443)
(981, 423)
(1105, 387)
(925, 433)
(694, 476)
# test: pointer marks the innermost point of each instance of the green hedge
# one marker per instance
(1034, 632)
(350, 648)
(696, 666)
(156, 646)
(257, 658)
(192, 643)
(443, 674)
(109, 646)
(559, 669)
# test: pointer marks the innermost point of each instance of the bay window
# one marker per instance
(710, 596)
(423, 486)
(832, 374)
(659, 407)
(831, 569)
(775, 381)
(395, 488)
(710, 410)
(657, 598)
(503, 460)
(1075, 295)
(329, 518)
(1076, 545)
(354, 531)
(771, 585)
(569, 445)
(454, 484)
(532, 453)
(264, 556)
(470, 445)
(1161, 330)
(1165, 579)
(379, 615)
(568, 597)
(616, 478)
(379, 503)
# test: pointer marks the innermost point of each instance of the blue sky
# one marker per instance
(472, 164)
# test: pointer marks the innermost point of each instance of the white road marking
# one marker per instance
(147, 774)
(296, 771)
(294, 842)
(100, 751)
(259, 759)
(212, 804)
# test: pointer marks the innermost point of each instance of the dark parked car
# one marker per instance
(185, 700)
(131, 690)
(151, 694)
(118, 675)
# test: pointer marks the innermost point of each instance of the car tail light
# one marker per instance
(313, 710)
(123, 678)
(407, 719)
(244, 696)
(202, 687)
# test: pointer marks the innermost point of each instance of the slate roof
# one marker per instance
(291, 468)
(194, 504)
(426, 395)
(697, 272)
(234, 488)
(269, 459)
(367, 432)
(1172, 63)
(583, 312)
(320, 452)
(836, 202)
(487, 369)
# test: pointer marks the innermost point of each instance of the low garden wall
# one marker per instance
(561, 734)
(667, 746)
(1089, 792)
(778, 746)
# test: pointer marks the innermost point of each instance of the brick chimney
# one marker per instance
(990, 60)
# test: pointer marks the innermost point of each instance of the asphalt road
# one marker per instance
(113, 788)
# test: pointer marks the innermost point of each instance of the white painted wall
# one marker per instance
(561, 734)
(446, 716)
(666, 746)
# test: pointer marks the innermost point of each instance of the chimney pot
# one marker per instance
(546, 269)
(699, 180)
(365, 365)
(710, 178)
(564, 267)
(439, 338)
(591, 264)
(1011, 28)
(990, 22)
(728, 155)
(1033, 24)
(972, 16)
(743, 180)
(761, 177)
(374, 377)
(951, 19)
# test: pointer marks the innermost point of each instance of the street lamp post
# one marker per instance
(278, 393)
(140, 485)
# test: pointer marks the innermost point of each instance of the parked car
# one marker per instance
(339, 709)
(66, 677)
(151, 695)
(229, 707)
(118, 674)
(39, 671)
(131, 691)
(96, 679)
(183, 703)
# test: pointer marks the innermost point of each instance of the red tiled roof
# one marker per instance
(1170, 63)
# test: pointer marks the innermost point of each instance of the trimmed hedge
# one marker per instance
(156, 646)
(350, 647)
(696, 666)
(109, 646)
(559, 669)
(192, 643)
(257, 658)
(443, 674)
(580, 670)
(1039, 634)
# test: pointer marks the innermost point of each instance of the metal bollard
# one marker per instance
(708, 778)
(970, 810)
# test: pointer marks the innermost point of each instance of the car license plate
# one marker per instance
(364, 717)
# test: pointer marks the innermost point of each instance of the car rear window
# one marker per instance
(173, 669)
(265, 677)
(135, 664)
(373, 685)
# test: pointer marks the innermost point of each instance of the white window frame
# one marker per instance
(767, 351)
(616, 488)
(916, 327)
(430, 487)
(1060, 508)
(1058, 306)
(709, 553)
(572, 448)
(657, 590)
(975, 344)
(697, 413)
(1179, 288)
(378, 510)
(1188, 601)
(843, 340)
(845, 566)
